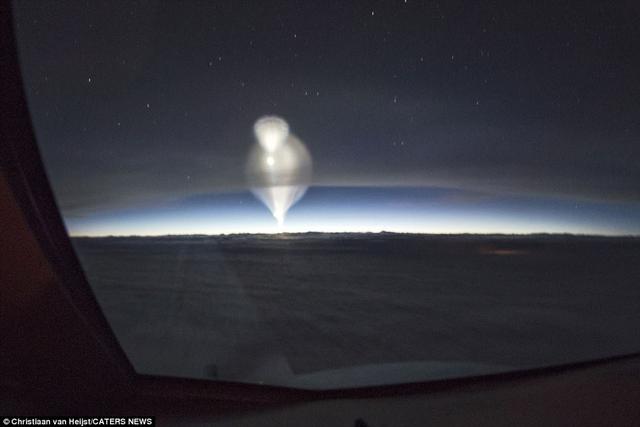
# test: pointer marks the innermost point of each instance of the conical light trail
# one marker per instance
(279, 167)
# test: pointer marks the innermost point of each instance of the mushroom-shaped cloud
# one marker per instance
(279, 166)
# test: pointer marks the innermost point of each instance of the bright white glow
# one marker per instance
(271, 132)
(278, 167)
(362, 221)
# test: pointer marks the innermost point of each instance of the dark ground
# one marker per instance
(267, 308)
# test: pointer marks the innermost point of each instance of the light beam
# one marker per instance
(279, 166)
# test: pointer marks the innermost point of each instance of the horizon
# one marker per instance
(417, 210)
(383, 232)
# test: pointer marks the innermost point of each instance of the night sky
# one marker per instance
(420, 116)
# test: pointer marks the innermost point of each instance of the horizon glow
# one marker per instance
(360, 210)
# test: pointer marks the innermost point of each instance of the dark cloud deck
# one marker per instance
(274, 308)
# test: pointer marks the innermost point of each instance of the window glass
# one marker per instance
(337, 194)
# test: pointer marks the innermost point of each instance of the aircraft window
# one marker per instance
(338, 194)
